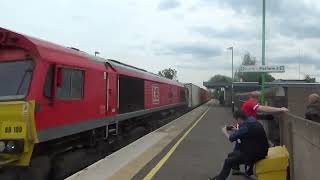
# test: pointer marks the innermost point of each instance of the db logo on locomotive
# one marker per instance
(155, 95)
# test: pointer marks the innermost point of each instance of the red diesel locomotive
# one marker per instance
(54, 100)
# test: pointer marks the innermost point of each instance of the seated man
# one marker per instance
(253, 144)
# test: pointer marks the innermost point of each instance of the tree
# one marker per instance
(217, 93)
(248, 59)
(251, 76)
(168, 73)
(309, 79)
(254, 77)
(220, 79)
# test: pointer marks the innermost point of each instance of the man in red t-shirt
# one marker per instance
(250, 109)
(251, 106)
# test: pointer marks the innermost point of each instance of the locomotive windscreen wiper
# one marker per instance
(28, 72)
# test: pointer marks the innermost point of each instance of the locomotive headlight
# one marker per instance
(2, 146)
(11, 146)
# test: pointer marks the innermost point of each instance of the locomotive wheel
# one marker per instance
(103, 148)
(136, 133)
(39, 169)
(153, 125)
(10, 174)
(70, 162)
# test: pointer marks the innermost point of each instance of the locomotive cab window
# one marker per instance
(16, 77)
(70, 83)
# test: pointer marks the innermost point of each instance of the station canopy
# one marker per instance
(253, 86)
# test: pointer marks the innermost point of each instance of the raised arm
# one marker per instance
(269, 109)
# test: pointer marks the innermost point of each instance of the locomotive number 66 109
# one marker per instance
(13, 129)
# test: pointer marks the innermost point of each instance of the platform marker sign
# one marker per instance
(266, 69)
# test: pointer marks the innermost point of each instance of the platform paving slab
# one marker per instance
(201, 153)
(128, 161)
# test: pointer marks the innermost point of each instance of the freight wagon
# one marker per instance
(196, 95)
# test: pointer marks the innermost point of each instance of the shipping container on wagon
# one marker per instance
(205, 95)
(193, 95)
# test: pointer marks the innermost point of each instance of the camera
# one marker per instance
(229, 128)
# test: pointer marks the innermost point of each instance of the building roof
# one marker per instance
(281, 83)
(290, 81)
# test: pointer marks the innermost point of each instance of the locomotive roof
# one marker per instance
(76, 57)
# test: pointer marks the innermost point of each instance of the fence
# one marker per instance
(302, 138)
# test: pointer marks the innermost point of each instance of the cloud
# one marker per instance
(243, 6)
(194, 50)
(297, 20)
(193, 67)
(299, 29)
(252, 7)
(294, 60)
(192, 37)
(231, 33)
(168, 4)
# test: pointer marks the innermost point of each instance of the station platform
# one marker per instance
(190, 147)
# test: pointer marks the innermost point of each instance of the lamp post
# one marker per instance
(263, 48)
(232, 103)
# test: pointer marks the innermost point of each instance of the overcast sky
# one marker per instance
(188, 35)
